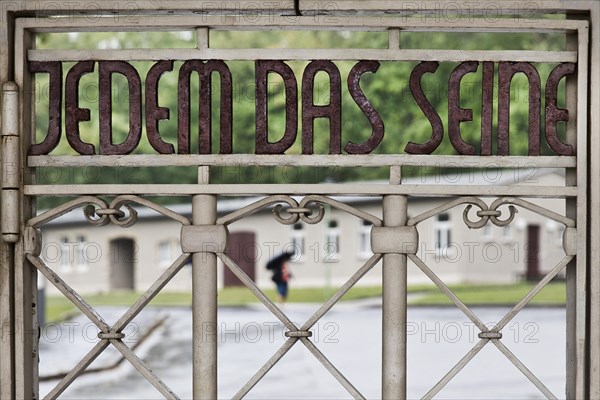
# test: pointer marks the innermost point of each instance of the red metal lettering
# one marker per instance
(105, 70)
(263, 69)
(366, 107)
(487, 108)
(437, 132)
(332, 111)
(456, 114)
(506, 71)
(54, 69)
(204, 71)
(74, 114)
(555, 114)
(154, 112)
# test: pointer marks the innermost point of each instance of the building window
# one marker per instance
(364, 239)
(166, 253)
(559, 235)
(297, 241)
(165, 256)
(488, 232)
(442, 232)
(506, 233)
(65, 255)
(82, 265)
(332, 241)
(555, 231)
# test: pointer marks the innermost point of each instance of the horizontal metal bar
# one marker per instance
(305, 54)
(315, 160)
(371, 189)
(468, 7)
(276, 22)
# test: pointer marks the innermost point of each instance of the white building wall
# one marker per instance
(474, 255)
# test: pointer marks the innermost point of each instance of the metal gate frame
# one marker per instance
(20, 21)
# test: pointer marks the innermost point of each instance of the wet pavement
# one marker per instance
(349, 335)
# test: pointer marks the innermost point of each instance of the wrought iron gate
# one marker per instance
(394, 237)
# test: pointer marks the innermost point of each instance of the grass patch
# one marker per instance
(553, 294)
(59, 308)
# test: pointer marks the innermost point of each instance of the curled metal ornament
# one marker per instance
(483, 219)
(124, 220)
(291, 218)
(119, 201)
(102, 216)
(295, 213)
(488, 214)
(498, 222)
(287, 218)
(93, 218)
(312, 218)
(66, 208)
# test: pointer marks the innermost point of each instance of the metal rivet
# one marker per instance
(110, 335)
(490, 335)
(298, 334)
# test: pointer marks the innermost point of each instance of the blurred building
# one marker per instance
(100, 259)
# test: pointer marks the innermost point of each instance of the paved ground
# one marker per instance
(350, 335)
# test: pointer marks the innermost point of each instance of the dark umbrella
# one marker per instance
(276, 262)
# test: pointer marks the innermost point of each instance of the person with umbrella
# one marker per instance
(281, 274)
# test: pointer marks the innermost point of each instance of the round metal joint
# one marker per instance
(490, 335)
(298, 210)
(111, 335)
(109, 211)
(489, 213)
(298, 334)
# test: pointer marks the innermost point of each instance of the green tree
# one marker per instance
(387, 89)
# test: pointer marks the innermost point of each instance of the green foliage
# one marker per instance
(387, 89)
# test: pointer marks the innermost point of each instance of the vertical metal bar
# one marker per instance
(10, 231)
(394, 39)
(582, 215)
(25, 275)
(576, 209)
(594, 207)
(571, 212)
(202, 38)
(7, 326)
(204, 299)
(394, 300)
(10, 162)
(7, 315)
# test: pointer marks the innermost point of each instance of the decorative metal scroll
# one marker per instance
(287, 210)
(98, 212)
(296, 211)
(490, 214)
